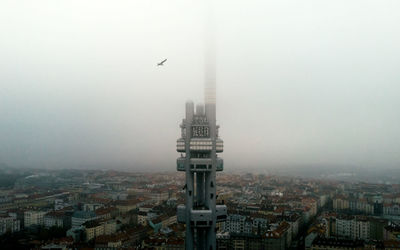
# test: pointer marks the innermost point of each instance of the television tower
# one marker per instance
(199, 145)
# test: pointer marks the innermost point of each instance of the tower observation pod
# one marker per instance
(199, 145)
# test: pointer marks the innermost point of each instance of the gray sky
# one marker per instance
(299, 82)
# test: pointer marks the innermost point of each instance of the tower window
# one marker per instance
(211, 196)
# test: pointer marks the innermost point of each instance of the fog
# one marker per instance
(298, 82)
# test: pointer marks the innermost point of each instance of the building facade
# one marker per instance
(33, 218)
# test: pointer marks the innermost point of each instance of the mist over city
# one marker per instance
(297, 83)
(208, 124)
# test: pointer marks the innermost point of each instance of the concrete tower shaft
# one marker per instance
(200, 145)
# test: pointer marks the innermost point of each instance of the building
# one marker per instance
(199, 145)
(391, 209)
(236, 223)
(33, 218)
(340, 203)
(376, 228)
(159, 195)
(9, 224)
(93, 229)
(114, 241)
(279, 237)
(339, 244)
(142, 218)
(350, 227)
(77, 233)
(80, 217)
(110, 227)
(361, 228)
(125, 206)
(392, 232)
(164, 243)
(56, 218)
(344, 226)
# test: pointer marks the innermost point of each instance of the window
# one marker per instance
(201, 166)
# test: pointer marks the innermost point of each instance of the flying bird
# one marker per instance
(162, 62)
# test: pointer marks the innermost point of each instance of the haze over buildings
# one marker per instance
(299, 83)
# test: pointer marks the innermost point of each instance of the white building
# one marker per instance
(344, 226)
(353, 227)
(361, 229)
(391, 209)
(260, 223)
(9, 224)
(80, 217)
(54, 219)
(236, 223)
(158, 196)
(32, 218)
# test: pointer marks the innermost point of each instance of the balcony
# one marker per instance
(203, 144)
(199, 164)
(198, 218)
(180, 145)
(201, 218)
(219, 147)
(200, 145)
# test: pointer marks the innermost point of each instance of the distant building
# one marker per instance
(92, 206)
(274, 240)
(236, 223)
(392, 232)
(164, 243)
(96, 228)
(376, 228)
(93, 229)
(58, 219)
(361, 228)
(114, 241)
(125, 206)
(391, 209)
(339, 244)
(80, 217)
(77, 233)
(309, 240)
(33, 218)
(9, 224)
(159, 195)
(142, 218)
(279, 237)
(351, 227)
